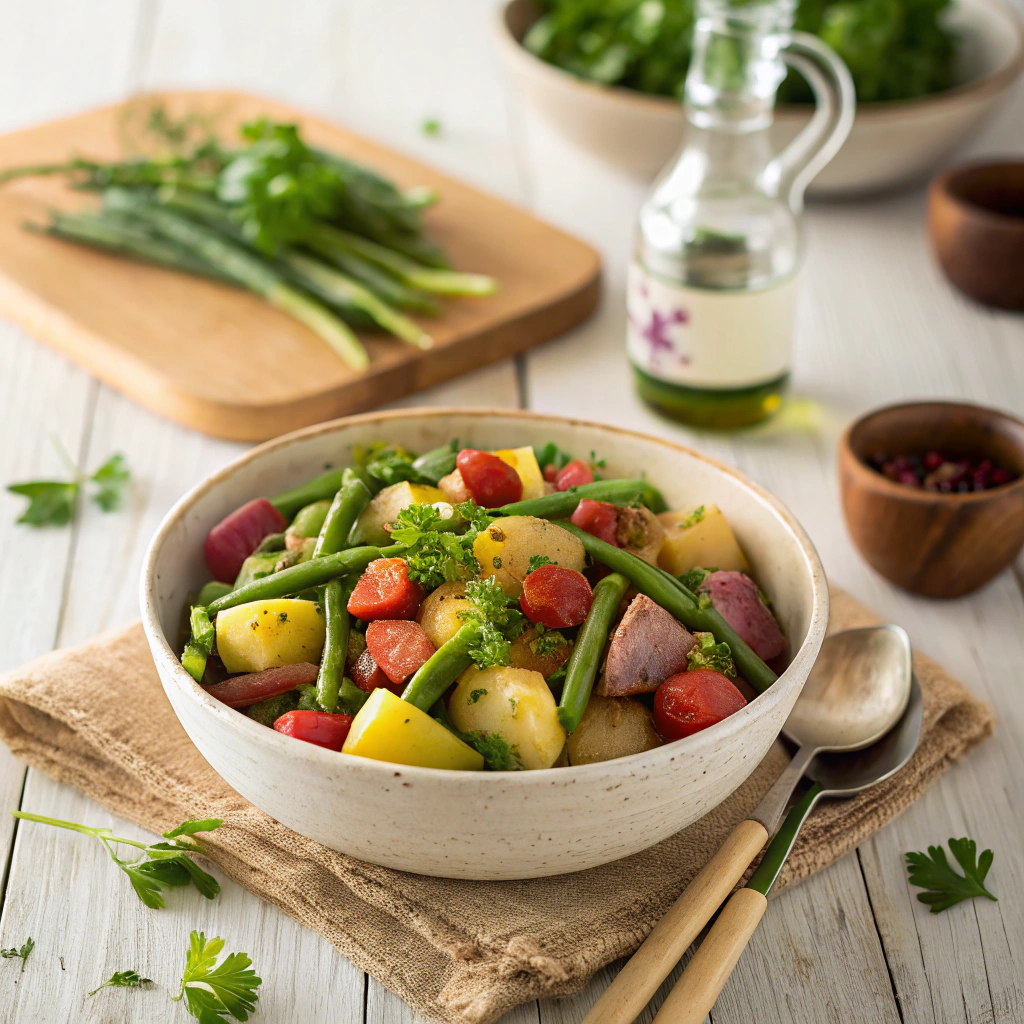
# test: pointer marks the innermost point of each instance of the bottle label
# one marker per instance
(705, 338)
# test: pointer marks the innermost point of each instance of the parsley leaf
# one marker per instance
(499, 756)
(548, 643)
(439, 546)
(124, 979)
(945, 886)
(213, 992)
(536, 561)
(498, 619)
(54, 502)
(693, 578)
(708, 654)
(26, 948)
(165, 865)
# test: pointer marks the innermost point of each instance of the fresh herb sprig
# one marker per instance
(439, 543)
(26, 948)
(498, 619)
(946, 887)
(54, 502)
(213, 992)
(163, 866)
(708, 654)
(124, 979)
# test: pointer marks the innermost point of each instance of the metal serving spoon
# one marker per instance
(856, 692)
(833, 775)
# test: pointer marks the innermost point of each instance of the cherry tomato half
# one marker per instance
(690, 701)
(384, 591)
(598, 518)
(573, 474)
(556, 597)
(317, 727)
(492, 483)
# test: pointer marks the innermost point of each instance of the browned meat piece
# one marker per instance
(640, 531)
(647, 647)
(736, 599)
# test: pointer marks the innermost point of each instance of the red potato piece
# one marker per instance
(368, 675)
(241, 691)
(399, 647)
(454, 488)
(238, 535)
(384, 591)
(556, 597)
(572, 474)
(318, 727)
(691, 701)
(598, 518)
(491, 481)
(647, 647)
(736, 598)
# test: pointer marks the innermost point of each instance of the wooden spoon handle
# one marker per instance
(706, 974)
(652, 963)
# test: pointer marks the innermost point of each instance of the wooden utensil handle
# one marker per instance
(652, 963)
(706, 974)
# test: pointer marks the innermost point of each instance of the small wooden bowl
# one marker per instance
(939, 545)
(976, 224)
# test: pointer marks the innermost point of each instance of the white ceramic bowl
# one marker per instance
(484, 824)
(891, 144)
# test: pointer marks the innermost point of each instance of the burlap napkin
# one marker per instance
(460, 952)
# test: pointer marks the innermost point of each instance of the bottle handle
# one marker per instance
(835, 103)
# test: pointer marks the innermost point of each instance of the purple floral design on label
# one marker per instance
(655, 331)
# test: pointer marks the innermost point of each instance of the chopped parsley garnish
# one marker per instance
(439, 547)
(497, 618)
(708, 654)
(475, 695)
(693, 578)
(124, 979)
(696, 516)
(536, 561)
(548, 643)
(497, 754)
(387, 463)
(947, 887)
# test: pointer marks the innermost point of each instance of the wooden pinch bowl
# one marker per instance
(938, 545)
(976, 226)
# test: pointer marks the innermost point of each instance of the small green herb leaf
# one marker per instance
(708, 654)
(51, 503)
(946, 888)
(214, 992)
(124, 979)
(111, 480)
(26, 948)
(536, 561)
(191, 827)
(431, 126)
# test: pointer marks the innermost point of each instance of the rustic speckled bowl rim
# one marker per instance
(162, 650)
(993, 83)
(874, 480)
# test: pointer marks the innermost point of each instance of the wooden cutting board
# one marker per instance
(220, 360)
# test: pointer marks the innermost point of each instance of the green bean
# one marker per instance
(309, 520)
(332, 665)
(352, 497)
(586, 655)
(563, 503)
(443, 667)
(667, 591)
(324, 486)
(296, 578)
(272, 542)
(211, 591)
(200, 643)
(436, 463)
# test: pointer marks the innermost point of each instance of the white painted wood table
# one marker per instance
(877, 324)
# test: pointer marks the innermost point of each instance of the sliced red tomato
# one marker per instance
(690, 701)
(550, 471)
(398, 646)
(556, 597)
(241, 691)
(236, 537)
(384, 591)
(317, 727)
(572, 474)
(598, 518)
(368, 675)
(492, 483)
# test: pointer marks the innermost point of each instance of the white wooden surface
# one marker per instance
(877, 323)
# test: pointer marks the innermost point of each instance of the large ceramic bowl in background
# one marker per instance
(484, 824)
(891, 144)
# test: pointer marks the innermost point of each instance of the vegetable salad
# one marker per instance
(469, 610)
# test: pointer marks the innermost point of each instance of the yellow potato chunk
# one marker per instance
(265, 634)
(708, 543)
(369, 528)
(504, 549)
(612, 727)
(524, 462)
(440, 614)
(514, 703)
(387, 728)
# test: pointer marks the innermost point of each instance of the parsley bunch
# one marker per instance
(946, 887)
(54, 502)
(163, 866)
(439, 548)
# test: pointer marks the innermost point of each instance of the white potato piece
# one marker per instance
(612, 727)
(440, 615)
(505, 548)
(707, 543)
(514, 703)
